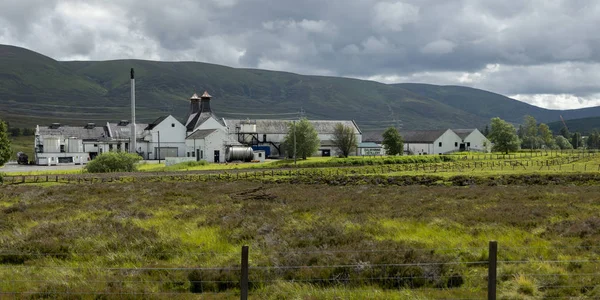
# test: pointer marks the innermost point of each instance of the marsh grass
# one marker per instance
(111, 237)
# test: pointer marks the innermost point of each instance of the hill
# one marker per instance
(584, 125)
(35, 89)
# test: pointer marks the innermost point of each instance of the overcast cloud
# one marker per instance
(544, 52)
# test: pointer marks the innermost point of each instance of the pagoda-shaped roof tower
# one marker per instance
(200, 111)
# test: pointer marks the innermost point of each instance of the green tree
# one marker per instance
(114, 161)
(562, 142)
(530, 133)
(486, 131)
(307, 139)
(593, 140)
(15, 131)
(344, 139)
(504, 136)
(392, 142)
(5, 149)
(565, 133)
(546, 136)
(576, 140)
(28, 131)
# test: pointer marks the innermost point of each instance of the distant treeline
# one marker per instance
(16, 131)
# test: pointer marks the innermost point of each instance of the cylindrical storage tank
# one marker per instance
(233, 153)
(74, 145)
(52, 144)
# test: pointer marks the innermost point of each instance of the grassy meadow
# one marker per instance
(183, 239)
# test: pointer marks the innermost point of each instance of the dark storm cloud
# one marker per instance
(511, 47)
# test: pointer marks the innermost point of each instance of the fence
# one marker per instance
(444, 278)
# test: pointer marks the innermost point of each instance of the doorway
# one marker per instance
(217, 156)
(197, 154)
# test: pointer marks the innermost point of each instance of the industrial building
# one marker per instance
(423, 142)
(204, 136)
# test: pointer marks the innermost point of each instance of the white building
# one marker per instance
(260, 134)
(204, 136)
(426, 142)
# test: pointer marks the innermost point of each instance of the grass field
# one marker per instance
(306, 241)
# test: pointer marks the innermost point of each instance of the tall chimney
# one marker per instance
(133, 142)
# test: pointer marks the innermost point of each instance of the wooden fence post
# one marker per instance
(492, 270)
(244, 275)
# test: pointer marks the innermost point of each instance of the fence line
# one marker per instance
(245, 279)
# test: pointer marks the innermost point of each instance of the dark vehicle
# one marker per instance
(22, 158)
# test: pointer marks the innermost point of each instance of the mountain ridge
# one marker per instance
(36, 89)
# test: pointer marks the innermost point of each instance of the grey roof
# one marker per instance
(82, 132)
(156, 122)
(200, 134)
(421, 136)
(367, 145)
(273, 126)
(124, 132)
(409, 136)
(463, 133)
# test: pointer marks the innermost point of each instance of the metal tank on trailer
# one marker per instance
(239, 153)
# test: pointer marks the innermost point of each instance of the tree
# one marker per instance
(28, 131)
(486, 131)
(593, 140)
(546, 136)
(565, 133)
(530, 133)
(344, 139)
(307, 139)
(576, 140)
(504, 136)
(392, 142)
(562, 142)
(15, 131)
(5, 149)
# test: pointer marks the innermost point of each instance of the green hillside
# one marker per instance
(35, 89)
(585, 125)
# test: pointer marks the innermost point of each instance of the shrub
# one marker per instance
(113, 162)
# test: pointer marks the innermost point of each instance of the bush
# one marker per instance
(113, 162)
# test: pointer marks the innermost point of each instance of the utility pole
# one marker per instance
(294, 142)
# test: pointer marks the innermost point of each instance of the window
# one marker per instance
(469, 144)
(62, 148)
(439, 144)
(201, 153)
(188, 154)
(259, 154)
(172, 124)
(455, 144)
(95, 145)
(264, 137)
(193, 154)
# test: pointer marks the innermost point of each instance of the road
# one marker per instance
(14, 167)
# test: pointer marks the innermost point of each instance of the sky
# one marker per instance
(543, 52)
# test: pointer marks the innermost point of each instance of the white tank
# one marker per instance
(51, 144)
(74, 145)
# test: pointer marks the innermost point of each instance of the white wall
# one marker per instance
(478, 142)
(172, 135)
(214, 141)
(450, 142)
(418, 148)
